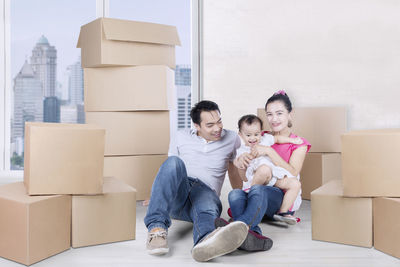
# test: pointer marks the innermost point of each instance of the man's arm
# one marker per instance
(234, 176)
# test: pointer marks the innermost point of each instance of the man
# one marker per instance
(188, 185)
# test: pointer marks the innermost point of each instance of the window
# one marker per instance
(46, 73)
(43, 77)
(171, 12)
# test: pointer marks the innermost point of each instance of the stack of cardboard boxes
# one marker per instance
(128, 85)
(363, 208)
(63, 190)
(322, 127)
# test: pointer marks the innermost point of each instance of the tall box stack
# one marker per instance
(128, 87)
(371, 170)
(322, 127)
(369, 179)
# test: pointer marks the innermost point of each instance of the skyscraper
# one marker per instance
(183, 91)
(44, 65)
(75, 83)
(51, 107)
(183, 75)
(184, 106)
(28, 100)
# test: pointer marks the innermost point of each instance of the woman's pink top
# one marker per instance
(285, 150)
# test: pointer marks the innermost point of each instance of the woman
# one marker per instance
(264, 200)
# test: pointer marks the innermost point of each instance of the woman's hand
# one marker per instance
(243, 161)
(259, 150)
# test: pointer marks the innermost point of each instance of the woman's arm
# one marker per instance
(280, 139)
(295, 163)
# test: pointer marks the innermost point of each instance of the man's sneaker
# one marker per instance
(256, 242)
(157, 242)
(221, 241)
(253, 241)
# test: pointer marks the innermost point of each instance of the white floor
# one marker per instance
(292, 247)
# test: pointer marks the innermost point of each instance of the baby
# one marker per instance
(250, 128)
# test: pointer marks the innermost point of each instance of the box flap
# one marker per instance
(126, 30)
(332, 188)
(86, 32)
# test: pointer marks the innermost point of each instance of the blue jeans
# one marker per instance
(251, 207)
(176, 195)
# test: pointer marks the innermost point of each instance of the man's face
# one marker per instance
(210, 127)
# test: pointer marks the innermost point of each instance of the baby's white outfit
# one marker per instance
(277, 172)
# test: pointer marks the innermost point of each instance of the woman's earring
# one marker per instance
(290, 124)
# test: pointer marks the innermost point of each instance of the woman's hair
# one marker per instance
(280, 96)
(249, 119)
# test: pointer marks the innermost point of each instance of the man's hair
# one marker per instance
(204, 105)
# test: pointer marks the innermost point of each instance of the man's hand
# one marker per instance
(258, 150)
(243, 161)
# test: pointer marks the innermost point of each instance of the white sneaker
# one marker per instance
(157, 242)
(221, 241)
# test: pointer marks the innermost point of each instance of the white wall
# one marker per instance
(322, 52)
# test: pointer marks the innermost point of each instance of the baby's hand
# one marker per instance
(297, 141)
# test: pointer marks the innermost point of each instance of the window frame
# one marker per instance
(102, 10)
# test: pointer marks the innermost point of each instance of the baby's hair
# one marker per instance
(249, 120)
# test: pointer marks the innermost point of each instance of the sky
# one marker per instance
(59, 21)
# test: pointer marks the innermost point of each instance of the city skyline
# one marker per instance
(37, 97)
(29, 21)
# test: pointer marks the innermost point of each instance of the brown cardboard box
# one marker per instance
(370, 164)
(318, 169)
(129, 88)
(386, 225)
(321, 126)
(108, 42)
(63, 158)
(137, 171)
(133, 133)
(106, 218)
(339, 219)
(33, 228)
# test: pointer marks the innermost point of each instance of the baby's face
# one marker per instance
(251, 134)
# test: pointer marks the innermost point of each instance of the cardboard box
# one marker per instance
(106, 218)
(321, 126)
(133, 133)
(110, 42)
(129, 88)
(33, 228)
(318, 169)
(370, 164)
(63, 158)
(340, 219)
(386, 225)
(137, 171)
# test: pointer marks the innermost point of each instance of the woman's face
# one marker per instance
(278, 116)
